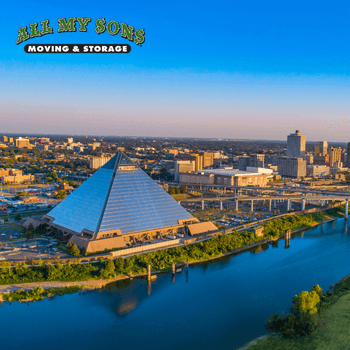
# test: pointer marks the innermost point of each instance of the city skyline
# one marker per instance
(240, 71)
(106, 136)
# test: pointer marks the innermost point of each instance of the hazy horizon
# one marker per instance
(237, 71)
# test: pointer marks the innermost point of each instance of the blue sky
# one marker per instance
(221, 70)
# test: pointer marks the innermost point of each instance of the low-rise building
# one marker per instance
(223, 177)
(29, 199)
(337, 168)
(42, 147)
(22, 142)
(14, 176)
(317, 170)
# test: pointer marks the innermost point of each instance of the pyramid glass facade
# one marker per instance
(119, 196)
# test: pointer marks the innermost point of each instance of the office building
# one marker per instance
(198, 161)
(321, 160)
(317, 170)
(257, 160)
(321, 148)
(309, 158)
(208, 159)
(271, 159)
(98, 162)
(183, 166)
(243, 162)
(291, 167)
(22, 142)
(335, 155)
(296, 144)
(348, 156)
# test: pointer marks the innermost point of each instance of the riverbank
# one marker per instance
(25, 290)
(332, 331)
(137, 264)
(266, 241)
(90, 284)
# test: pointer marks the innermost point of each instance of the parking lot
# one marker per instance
(7, 232)
(39, 248)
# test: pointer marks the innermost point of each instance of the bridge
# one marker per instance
(240, 189)
(324, 199)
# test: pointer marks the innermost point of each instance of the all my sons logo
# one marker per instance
(74, 24)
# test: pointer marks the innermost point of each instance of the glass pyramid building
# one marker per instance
(119, 199)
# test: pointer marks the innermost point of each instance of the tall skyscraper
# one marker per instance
(321, 148)
(334, 155)
(296, 145)
(348, 156)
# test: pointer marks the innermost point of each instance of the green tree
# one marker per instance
(119, 264)
(128, 264)
(109, 270)
(62, 194)
(6, 266)
(303, 317)
(21, 193)
(75, 250)
(171, 190)
(306, 302)
(38, 291)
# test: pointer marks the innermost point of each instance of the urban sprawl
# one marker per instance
(65, 196)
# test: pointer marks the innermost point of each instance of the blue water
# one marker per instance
(217, 305)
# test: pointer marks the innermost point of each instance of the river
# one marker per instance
(220, 304)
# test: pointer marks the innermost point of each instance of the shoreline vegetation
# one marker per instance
(11, 279)
(326, 316)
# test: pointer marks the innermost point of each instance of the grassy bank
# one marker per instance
(332, 331)
(39, 293)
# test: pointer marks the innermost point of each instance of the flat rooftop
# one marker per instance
(227, 172)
